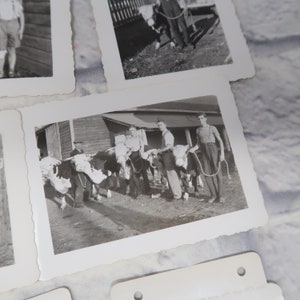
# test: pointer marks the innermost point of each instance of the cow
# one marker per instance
(75, 173)
(106, 161)
(152, 14)
(188, 169)
(123, 163)
(156, 165)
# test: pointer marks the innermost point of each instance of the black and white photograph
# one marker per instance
(17, 245)
(25, 39)
(146, 38)
(6, 247)
(158, 37)
(158, 170)
(128, 172)
(35, 47)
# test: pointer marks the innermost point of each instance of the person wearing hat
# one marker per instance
(207, 137)
(11, 33)
(77, 148)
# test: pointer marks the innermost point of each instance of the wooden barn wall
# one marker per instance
(53, 141)
(65, 139)
(93, 132)
(6, 251)
(35, 54)
(115, 129)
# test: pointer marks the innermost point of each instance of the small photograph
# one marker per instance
(25, 39)
(124, 173)
(6, 247)
(162, 36)
(150, 41)
(36, 53)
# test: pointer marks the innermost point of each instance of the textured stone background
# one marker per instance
(268, 106)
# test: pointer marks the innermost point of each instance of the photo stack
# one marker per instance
(156, 162)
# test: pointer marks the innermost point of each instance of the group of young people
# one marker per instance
(11, 33)
(209, 143)
(208, 140)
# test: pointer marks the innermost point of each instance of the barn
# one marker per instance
(100, 131)
(34, 57)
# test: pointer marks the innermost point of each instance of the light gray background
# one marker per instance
(268, 106)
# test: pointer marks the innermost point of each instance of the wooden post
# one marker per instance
(188, 137)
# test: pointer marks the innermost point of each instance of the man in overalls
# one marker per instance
(207, 136)
(174, 14)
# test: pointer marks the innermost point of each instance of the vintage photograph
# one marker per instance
(25, 39)
(36, 53)
(161, 36)
(17, 245)
(145, 41)
(140, 170)
(123, 173)
(6, 247)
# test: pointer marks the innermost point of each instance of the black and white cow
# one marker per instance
(152, 14)
(114, 163)
(188, 169)
(75, 174)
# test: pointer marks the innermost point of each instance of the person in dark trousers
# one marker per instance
(207, 136)
(82, 186)
(174, 14)
(136, 148)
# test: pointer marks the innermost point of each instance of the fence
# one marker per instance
(125, 11)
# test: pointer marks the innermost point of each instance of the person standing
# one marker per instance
(174, 14)
(136, 148)
(77, 148)
(207, 136)
(81, 184)
(11, 33)
(168, 160)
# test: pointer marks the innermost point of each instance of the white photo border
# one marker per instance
(62, 80)
(54, 265)
(241, 67)
(24, 271)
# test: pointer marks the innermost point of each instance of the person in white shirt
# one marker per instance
(11, 33)
(136, 148)
(168, 160)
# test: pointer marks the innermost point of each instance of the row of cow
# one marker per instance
(82, 172)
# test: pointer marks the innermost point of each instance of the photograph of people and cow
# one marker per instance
(25, 39)
(124, 173)
(165, 36)
(6, 247)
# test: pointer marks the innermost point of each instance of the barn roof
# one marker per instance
(148, 120)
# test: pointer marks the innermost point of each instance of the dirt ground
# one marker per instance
(139, 58)
(122, 216)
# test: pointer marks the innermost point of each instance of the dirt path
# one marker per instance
(121, 216)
